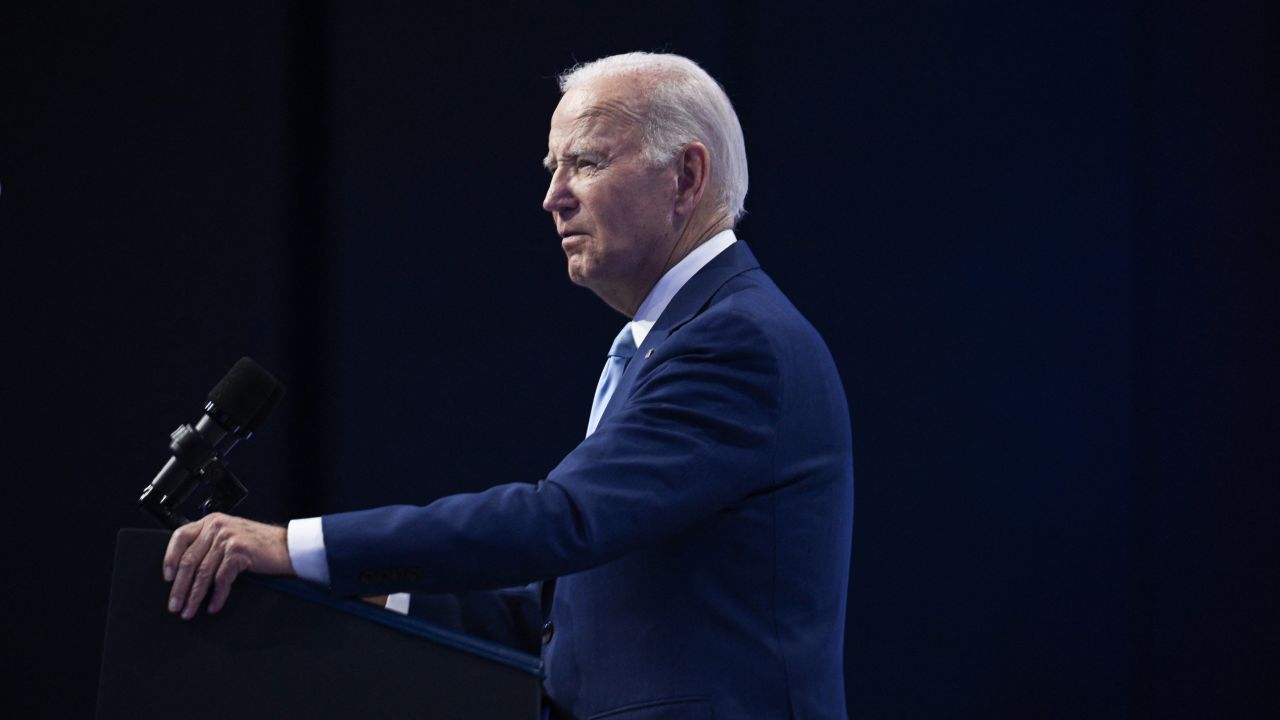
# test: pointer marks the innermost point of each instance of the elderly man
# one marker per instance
(698, 539)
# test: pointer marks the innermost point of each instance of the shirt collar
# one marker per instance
(674, 279)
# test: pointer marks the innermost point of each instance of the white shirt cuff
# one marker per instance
(306, 550)
(398, 602)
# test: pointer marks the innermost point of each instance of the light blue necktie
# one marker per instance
(624, 346)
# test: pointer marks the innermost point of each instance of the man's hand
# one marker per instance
(213, 551)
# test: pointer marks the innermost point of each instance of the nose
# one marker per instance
(559, 197)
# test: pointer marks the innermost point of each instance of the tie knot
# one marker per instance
(624, 346)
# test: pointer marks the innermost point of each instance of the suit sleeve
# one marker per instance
(695, 433)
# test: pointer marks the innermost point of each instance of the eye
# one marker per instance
(584, 163)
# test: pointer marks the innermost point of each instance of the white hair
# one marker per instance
(684, 104)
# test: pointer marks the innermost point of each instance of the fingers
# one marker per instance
(179, 541)
(232, 565)
(189, 560)
(209, 554)
(211, 564)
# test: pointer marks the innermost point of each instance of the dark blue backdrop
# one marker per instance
(1034, 238)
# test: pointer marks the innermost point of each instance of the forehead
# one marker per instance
(600, 109)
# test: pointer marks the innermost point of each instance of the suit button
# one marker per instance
(547, 631)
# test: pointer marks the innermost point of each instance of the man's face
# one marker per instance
(614, 213)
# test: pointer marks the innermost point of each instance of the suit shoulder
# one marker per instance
(754, 299)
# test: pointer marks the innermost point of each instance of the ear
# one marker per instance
(693, 171)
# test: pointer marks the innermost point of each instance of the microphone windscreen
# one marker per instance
(247, 394)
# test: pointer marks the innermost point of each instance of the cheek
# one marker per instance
(650, 205)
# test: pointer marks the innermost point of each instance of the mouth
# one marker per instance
(569, 239)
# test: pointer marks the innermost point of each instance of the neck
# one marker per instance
(702, 226)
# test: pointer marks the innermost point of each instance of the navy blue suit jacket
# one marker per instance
(700, 536)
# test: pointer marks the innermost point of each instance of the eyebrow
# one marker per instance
(576, 148)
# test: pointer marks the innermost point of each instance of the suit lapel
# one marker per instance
(687, 303)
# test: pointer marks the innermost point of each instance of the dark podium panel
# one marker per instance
(282, 648)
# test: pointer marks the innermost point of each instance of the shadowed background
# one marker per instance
(1035, 238)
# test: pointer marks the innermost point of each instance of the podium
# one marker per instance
(282, 648)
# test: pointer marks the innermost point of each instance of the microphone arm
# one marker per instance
(236, 407)
(195, 461)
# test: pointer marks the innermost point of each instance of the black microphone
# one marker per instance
(237, 407)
